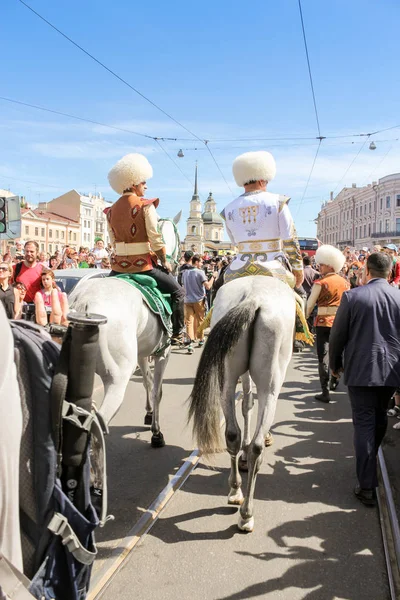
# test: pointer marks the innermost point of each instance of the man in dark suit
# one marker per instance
(367, 330)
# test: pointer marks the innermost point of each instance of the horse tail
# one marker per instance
(204, 408)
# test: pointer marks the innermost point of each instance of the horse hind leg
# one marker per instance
(233, 440)
(148, 381)
(266, 412)
(247, 409)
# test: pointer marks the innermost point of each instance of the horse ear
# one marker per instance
(177, 217)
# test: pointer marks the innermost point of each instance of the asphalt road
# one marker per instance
(312, 538)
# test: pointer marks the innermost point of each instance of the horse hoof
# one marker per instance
(148, 419)
(246, 525)
(157, 441)
(236, 497)
(243, 466)
(268, 440)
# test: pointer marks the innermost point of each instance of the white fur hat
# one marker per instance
(132, 169)
(330, 256)
(253, 166)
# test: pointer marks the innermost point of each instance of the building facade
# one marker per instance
(205, 230)
(87, 210)
(362, 217)
(50, 231)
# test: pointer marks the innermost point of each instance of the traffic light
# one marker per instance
(3, 215)
(10, 218)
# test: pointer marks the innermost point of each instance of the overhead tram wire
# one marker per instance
(110, 71)
(157, 140)
(309, 72)
(320, 137)
(351, 164)
(218, 167)
(177, 139)
(309, 177)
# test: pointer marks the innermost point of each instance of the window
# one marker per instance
(398, 200)
(381, 203)
(387, 201)
(374, 205)
(42, 232)
(36, 231)
(27, 229)
(365, 231)
(370, 207)
(380, 226)
(194, 229)
(69, 235)
(369, 229)
(50, 248)
(397, 225)
(386, 225)
(42, 247)
(57, 234)
(62, 235)
(356, 211)
(74, 237)
(50, 233)
(365, 209)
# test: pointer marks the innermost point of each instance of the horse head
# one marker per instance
(170, 233)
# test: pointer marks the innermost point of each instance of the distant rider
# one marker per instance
(132, 224)
(259, 223)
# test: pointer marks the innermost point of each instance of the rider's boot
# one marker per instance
(324, 380)
(178, 319)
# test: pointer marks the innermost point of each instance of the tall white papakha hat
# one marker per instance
(330, 256)
(132, 169)
(254, 166)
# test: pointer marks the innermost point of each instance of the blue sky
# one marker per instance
(224, 69)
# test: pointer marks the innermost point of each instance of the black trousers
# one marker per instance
(167, 284)
(323, 334)
(369, 406)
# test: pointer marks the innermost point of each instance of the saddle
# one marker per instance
(157, 302)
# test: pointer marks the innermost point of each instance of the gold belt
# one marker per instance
(131, 248)
(260, 246)
(325, 311)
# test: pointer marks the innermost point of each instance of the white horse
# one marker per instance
(252, 331)
(132, 335)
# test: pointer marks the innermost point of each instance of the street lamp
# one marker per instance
(180, 153)
(372, 146)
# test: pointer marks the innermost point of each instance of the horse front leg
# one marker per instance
(148, 382)
(247, 409)
(266, 412)
(160, 364)
(233, 440)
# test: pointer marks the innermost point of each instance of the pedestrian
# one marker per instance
(310, 275)
(326, 293)
(30, 271)
(366, 331)
(9, 296)
(99, 252)
(394, 277)
(187, 264)
(195, 283)
(50, 298)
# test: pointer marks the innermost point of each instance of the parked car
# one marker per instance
(68, 279)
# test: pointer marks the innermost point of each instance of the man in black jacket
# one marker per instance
(366, 329)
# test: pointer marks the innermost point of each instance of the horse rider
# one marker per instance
(326, 293)
(132, 225)
(259, 223)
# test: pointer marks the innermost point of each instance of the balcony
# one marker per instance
(386, 234)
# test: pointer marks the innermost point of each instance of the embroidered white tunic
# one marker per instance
(261, 226)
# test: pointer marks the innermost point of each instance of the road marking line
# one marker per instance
(114, 563)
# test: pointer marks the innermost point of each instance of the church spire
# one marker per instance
(195, 193)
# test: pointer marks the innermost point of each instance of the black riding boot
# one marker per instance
(178, 316)
(324, 380)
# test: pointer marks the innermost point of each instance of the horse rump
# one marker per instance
(204, 401)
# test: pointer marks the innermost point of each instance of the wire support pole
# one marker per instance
(309, 71)
(110, 70)
(309, 177)
(218, 167)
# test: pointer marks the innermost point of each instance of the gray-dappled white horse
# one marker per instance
(252, 331)
(132, 335)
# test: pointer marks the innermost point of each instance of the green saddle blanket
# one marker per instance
(157, 302)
